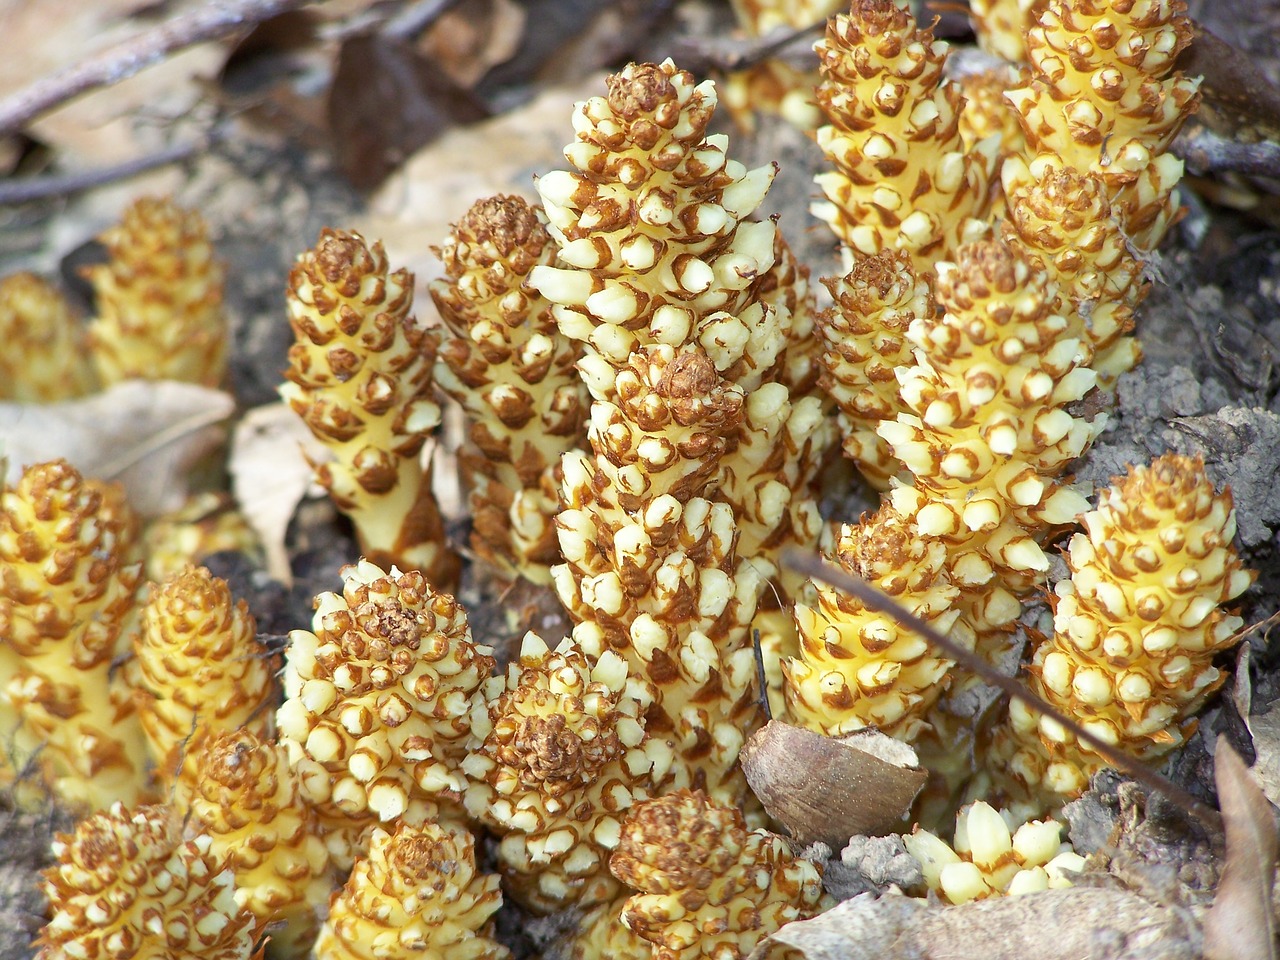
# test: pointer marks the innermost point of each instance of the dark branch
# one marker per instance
(211, 21)
(1205, 152)
(14, 192)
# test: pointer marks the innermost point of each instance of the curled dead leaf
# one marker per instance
(1241, 924)
(270, 474)
(1264, 730)
(828, 790)
(147, 434)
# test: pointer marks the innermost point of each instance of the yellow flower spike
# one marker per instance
(857, 668)
(67, 594)
(513, 373)
(159, 299)
(1136, 627)
(864, 343)
(786, 289)
(417, 894)
(1001, 25)
(656, 251)
(768, 477)
(201, 669)
(775, 86)
(43, 360)
(987, 860)
(708, 887)
(126, 886)
(633, 508)
(378, 703)
(1103, 99)
(205, 524)
(988, 431)
(246, 798)
(561, 760)
(650, 566)
(986, 113)
(903, 179)
(360, 376)
(1064, 218)
(654, 240)
(601, 935)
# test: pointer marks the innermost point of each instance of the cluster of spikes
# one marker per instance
(992, 245)
(651, 398)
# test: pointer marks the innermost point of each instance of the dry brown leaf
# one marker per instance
(386, 101)
(828, 790)
(1264, 730)
(1241, 925)
(270, 474)
(1099, 923)
(413, 210)
(147, 434)
(474, 36)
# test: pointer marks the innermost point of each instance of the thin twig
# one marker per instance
(13, 192)
(416, 17)
(1206, 152)
(762, 678)
(704, 55)
(811, 565)
(212, 21)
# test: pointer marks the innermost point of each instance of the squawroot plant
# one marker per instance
(360, 376)
(512, 372)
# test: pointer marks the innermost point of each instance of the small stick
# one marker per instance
(13, 192)
(761, 677)
(211, 21)
(1205, 152)
(811, 565)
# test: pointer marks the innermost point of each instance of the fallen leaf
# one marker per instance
(1101, 923)
(1241, 925)
(41, 37)
(474, 36)
(826, 789)
(415, 206)
(1264, 730)
(386, 101)
(147, 434)
(270, 474)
